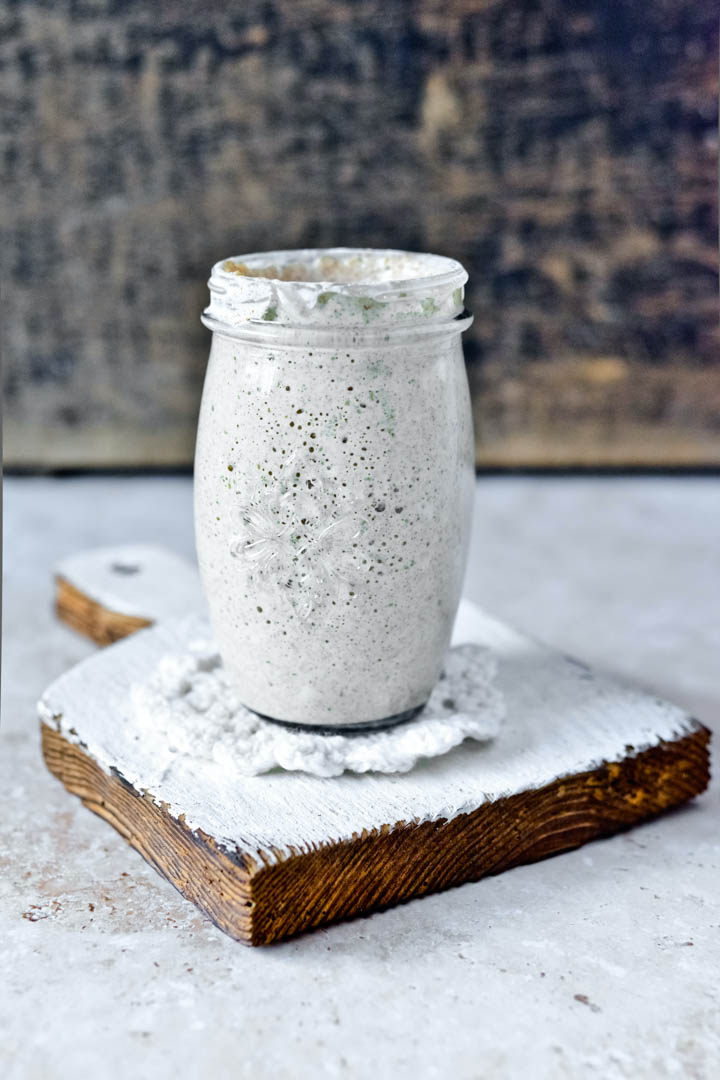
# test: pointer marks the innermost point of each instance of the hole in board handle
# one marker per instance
(124, 568)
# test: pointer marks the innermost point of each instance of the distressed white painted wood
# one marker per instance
(142, 580)
(561, 719)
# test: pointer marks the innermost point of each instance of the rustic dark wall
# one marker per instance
(564, 151)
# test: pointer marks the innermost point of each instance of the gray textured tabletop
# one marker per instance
(601, 963)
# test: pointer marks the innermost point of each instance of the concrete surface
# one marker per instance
(599, 963)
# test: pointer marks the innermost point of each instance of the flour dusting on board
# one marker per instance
(189, 701)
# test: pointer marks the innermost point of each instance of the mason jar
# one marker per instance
(334, 479)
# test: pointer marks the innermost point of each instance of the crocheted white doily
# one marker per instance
(189, 702)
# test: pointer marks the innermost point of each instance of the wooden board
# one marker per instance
(268, 857)
(107, 593)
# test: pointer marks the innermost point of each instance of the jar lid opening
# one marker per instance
(334, 288)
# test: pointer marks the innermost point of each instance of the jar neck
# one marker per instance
(366, 293)
(311, 337)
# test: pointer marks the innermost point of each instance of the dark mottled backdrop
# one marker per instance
(564, 150)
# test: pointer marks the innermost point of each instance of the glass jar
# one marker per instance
(333, 480)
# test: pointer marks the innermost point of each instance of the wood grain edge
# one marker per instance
(261, 901)
(191, 861)
(88, 617)
(396, 864)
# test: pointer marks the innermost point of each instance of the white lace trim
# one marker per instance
(189, 701)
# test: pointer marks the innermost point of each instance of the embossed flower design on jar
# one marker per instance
(302, 537)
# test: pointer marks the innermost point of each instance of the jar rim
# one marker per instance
(334, 288)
